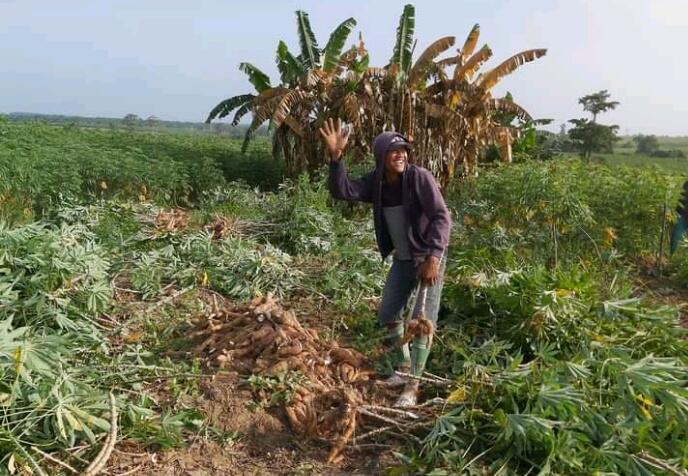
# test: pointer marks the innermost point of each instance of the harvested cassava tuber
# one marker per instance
(421, 327)
(347, 373)
(288, 350)
(172, 220)
(348, 356)
(264, 338)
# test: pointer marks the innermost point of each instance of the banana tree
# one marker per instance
(301, 95)
(449, 114)
(455, 117)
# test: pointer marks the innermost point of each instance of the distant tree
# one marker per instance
(587, 136)
(152, 121)
(673, 153)
(645, 145)
(538, 144)
(131, 120)
(597, 102)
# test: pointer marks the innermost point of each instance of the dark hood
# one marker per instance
(381, 146)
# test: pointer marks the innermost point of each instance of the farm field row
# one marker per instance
(677, 166)
(625, 154)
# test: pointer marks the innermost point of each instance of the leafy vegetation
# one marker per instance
(559, 367)
(43, 165)
(556, 361)
(439, 108)
(57, 357)
(151, 123)
(557, 364)
(649, 145)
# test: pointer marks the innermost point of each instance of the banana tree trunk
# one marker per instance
(505, 141)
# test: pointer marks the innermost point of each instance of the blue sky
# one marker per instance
(177, 59)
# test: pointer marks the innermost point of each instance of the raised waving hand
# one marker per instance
(335, 137)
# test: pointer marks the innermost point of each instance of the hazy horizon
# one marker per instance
(176, 61)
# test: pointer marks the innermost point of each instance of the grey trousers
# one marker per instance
(401, 282)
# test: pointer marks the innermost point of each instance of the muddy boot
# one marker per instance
(409, 397)
(395, 380)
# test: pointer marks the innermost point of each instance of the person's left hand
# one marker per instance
(428, 271)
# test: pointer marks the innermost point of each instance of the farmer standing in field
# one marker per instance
(412, 221)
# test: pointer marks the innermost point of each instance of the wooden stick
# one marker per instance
(441, 383)
(379, 417)
(168, 299)
(369, 446)
(437, 377)
(129, 453)
(661, 239)
(131, 471)
(373, 433)
(101, 459)
(657, 463)
(54, 460)
(433, 401)
(391, 410)
(392, 427)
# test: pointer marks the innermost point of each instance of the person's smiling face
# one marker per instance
(395, 161)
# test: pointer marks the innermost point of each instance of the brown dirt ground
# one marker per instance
(660, 287)
(266, 445)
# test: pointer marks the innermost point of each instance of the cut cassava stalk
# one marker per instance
(647, 458)
(379, 417)
(103, 455)
(54, 460)
(441, 383)
(391, 410)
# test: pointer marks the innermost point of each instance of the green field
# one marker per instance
(674, 165)
(624, 154)
(558, 362)
(42, 164)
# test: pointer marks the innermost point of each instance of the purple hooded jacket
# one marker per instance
(426, 212)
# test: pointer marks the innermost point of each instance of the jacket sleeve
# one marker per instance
(345, 188)
(432, 203)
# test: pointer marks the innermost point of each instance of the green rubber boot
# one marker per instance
(400, 355)
(419, 355)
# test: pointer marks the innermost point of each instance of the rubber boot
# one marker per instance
(409, 397)
(400, 355)
(419, 357)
